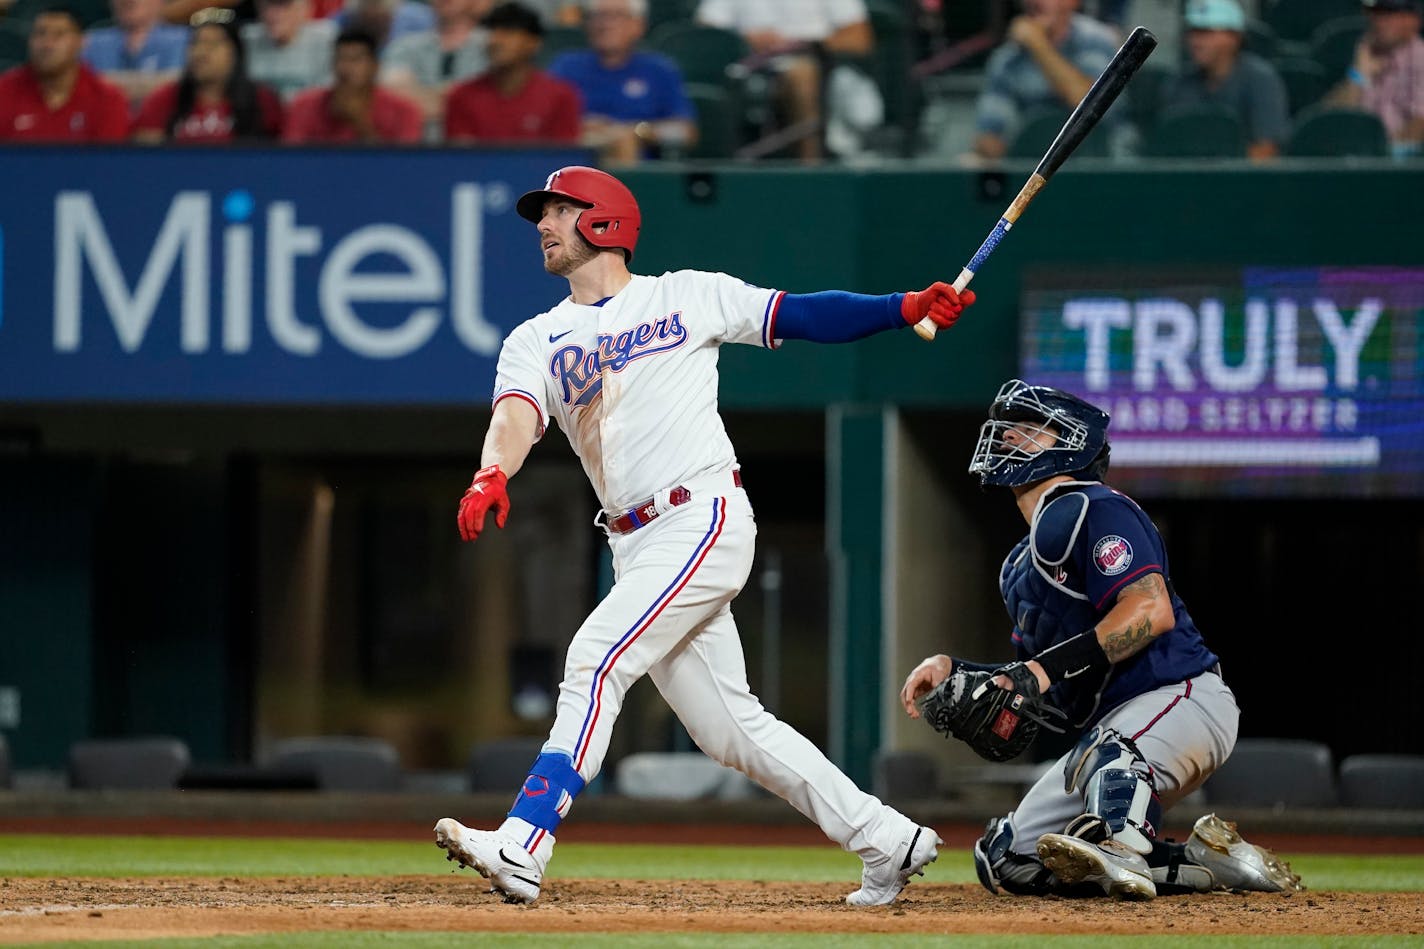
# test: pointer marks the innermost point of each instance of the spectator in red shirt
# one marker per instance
(54, 97)
(354, 108)
(513, 101)
(214, 100)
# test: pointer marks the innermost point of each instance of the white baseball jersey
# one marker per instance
(633, 383)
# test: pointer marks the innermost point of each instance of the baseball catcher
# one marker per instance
(1105, 648)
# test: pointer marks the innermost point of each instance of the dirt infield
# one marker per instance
(34, 910)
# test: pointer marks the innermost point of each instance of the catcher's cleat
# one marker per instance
(1236, 864)
(1118, 869)
(513, 872)
(882, 881)
(1179, 875)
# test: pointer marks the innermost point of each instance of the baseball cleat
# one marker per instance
(1182, 876)
(513, 872)
(1236, 864)
(882, 881)
(1118, 869)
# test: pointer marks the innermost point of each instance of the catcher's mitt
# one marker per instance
(997, 723)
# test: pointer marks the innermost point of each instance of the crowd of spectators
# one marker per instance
(1386, 77)
(635, 103)
(473, 71)
(1221, 71)
(1052, 55)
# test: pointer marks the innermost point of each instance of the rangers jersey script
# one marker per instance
(633, 381)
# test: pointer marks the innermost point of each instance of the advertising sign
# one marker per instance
(244, 276)
(1261, 381)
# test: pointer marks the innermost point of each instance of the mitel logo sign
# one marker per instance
(378, 266)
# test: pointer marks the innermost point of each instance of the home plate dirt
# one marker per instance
(39, 910)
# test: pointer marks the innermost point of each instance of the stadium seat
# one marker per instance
(1207, 131)
(1144, 96)
(148, 764)
(718, 121)
(1275, 772)
(1382, 781)
(14, 42)
(1295, 20)
(557, 39)
(1038, 129)
(341, 763)
(1333, 43)
(1261, 39)
(1305, 81)
(502, 764)
(680, 776)
(889, 63)
(670, 11)
(905, 776)
(1323, 131)
(1035, 130)
(704, 53)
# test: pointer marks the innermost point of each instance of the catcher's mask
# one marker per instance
(1077, 430)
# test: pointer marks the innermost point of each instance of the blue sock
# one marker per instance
(548, 791)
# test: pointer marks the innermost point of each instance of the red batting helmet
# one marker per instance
(610, 204)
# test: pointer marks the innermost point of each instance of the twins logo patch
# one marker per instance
(1113, 555)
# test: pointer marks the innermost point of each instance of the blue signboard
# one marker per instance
(265, 276)
(1257, 381)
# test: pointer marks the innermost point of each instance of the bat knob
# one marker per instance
(925, 328)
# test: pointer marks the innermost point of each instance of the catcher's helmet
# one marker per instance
(1079, 429)
(610, 205)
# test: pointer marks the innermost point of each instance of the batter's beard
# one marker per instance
(574, 257)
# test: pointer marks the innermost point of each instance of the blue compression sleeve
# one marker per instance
(834, 316)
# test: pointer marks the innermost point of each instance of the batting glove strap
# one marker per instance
(490, 473)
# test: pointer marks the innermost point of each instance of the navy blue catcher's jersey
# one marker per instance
(1085, 543)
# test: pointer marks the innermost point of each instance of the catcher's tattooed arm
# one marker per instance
(1143, 612)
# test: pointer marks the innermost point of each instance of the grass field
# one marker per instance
(43, 855)
(66, 858)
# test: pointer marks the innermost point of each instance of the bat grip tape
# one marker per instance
(990, 242)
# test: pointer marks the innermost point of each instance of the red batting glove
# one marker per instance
(486, 491)
(940, 302)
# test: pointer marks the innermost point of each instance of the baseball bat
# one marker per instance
(1103, 93)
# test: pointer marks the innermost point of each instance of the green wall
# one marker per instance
(47, 510)
(114, 594)
(878, 231)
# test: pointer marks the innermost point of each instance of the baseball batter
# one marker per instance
(1108, 641)
(626, 365)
